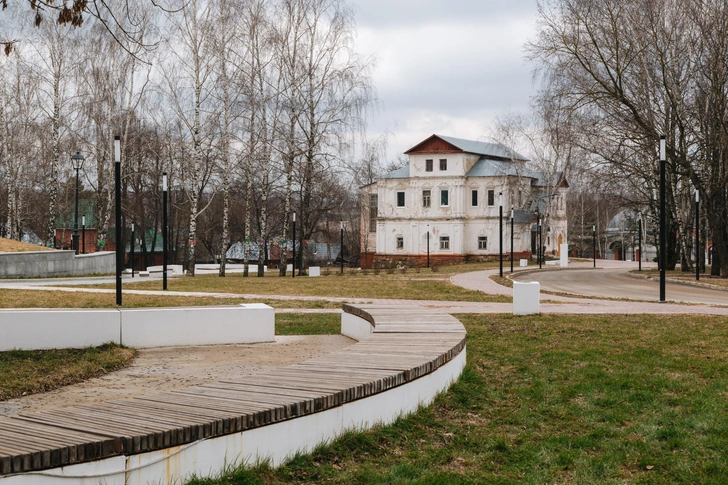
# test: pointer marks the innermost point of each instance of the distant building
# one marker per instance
(447, 197)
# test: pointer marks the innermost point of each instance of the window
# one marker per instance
(400, 242)
(444, 198)
(443, 164)
(373, 202)
(426, 198)
(474, 198)
(444, 242)
(491, 198)
(428, 165)
(482, 242)
(400, 199)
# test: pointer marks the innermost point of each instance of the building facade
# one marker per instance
(445, 205)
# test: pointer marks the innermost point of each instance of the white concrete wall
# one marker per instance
(39, 329)
(355, 327)
(165, 327)
(276, 442)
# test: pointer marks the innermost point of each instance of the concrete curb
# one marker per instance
(677, 282)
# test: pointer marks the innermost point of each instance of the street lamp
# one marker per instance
(540, 243)
(132, 250)
(428, 245)
(117, 197)
(83, 234)
(639, 239)
(511, 239)
(164, 230)
(663, 229)
(500, 231)
(697, 235)
(293, 265)
(77, 162)
(594, 243)
(341, 251)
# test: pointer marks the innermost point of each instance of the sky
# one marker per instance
(448, 67)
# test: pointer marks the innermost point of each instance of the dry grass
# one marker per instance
(411, 286)
(28, 372)
(11, 246)
(62, 299)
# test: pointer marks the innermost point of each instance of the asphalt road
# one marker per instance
(614, 283)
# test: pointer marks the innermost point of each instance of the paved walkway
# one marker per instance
(477, 280)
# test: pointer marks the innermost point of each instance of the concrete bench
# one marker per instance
(406, 357)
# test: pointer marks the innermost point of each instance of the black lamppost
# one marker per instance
(663, 231)
(164, 230)
(293, 265)
(83, 234)
(540, 244)
(639, 239)
(594, 242)
(341, 251)
(77, 162)
(511, 239)
(428, 245)
(697, 235)
(119, 240)
(500, 231)
(132, 250)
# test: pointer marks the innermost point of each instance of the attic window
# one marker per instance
(443, 164)
(428, 165)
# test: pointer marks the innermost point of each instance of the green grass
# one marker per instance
(308, 323)
(28, 372)
(555, 399)
(411, 286)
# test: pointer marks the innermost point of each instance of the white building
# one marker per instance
(448, 198)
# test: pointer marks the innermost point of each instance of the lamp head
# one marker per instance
(77, 160)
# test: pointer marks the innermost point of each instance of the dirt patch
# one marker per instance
(169, 368)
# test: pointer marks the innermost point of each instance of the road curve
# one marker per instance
(615, 283)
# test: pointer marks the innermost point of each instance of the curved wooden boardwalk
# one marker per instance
(406, 344)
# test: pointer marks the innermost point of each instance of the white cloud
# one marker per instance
(445, 67)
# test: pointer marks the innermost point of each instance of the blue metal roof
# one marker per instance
(401, 173)
(483, 148)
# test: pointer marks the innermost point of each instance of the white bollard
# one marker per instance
(526, 298)
(314, 271)
(524, 263)
(564, 255)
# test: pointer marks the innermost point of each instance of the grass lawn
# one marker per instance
(555, 399)
(308, 323)
(63, 299)
(28, 372)
(410, 286)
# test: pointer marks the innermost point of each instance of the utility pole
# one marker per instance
(594, 242)
(293, 266)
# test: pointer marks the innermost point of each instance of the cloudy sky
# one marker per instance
(445, 66)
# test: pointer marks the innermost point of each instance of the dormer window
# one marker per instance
(443, 164)
(428, 165)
